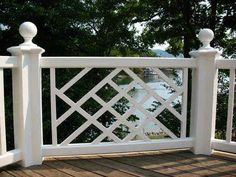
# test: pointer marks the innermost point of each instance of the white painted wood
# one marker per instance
(91, 120)
(27, 63)
(230, 113)
(8, 62)
(27, 103)
(156, 96)
(223, 145)
(10, 157)
(22, 135)
(84, 98)
(122, 120)
(110, 62)
(204, 97)
(226, 63)
(36, 104)
(145, 112)
(78, 149)
(2, 116)
(107, 106)
(184, 104)
(53, 106)
(75, 79)
(168, 80)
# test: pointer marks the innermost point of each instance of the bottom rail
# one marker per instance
(223, 145)
(103, 148)
(10, 157)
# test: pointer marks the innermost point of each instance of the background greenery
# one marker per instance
(107, 27)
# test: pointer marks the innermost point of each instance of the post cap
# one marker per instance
(28, 31)
(206, 36)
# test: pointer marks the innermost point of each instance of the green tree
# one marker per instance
(87, 28)
(178, 22)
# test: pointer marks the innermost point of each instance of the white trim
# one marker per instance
(78, 149)
(226, 63)
(230, 112)
(184, 104)
(8, 62)
(10, 157)
(53, 106)
(224, 145)
(110, 62)
(3, 144)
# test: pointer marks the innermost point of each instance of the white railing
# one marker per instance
(27, 63)
(228, 144)
(6, 157)
(118, 145)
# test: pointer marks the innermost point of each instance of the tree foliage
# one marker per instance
(73, 27)
(178, 22)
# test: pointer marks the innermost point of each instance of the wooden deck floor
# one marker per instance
(153, 164)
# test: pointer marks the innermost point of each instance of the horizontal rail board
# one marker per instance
(10, 157)
(8, 62)
(226, 64)
(223, 145)
(112, 62)
(79, 149)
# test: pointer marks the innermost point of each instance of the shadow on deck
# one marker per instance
(155, 163)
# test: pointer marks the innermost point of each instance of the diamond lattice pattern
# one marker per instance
(114, 115)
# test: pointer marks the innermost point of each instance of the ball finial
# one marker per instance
(28, 31)
(206, 36)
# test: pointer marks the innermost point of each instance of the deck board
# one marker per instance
(70, 169)
(133, 170)
(97, 168)
(151, 164)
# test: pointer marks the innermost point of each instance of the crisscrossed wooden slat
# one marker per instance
(87, 96)
(75, 79)
(145, 112)
(121, 119)
(167, 79)
(156, 96)
(77, 108)
(93, 121)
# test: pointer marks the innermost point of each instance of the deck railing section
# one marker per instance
(116, 143)
(6, 157)
(27, 64)
(228, 144)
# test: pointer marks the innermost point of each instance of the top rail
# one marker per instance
(226, 63)
(107, 62)
(8, 62)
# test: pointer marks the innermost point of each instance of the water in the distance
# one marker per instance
(158, 86)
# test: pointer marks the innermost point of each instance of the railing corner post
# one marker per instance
(204, 94)
(27, 97)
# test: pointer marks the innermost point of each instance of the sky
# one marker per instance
(161, 46)
(140, 27)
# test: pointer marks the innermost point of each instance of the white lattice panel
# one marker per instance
(121, 119)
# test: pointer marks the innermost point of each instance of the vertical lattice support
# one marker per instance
(184, 103)
(53, 105)
(230, 113)
(2, 116)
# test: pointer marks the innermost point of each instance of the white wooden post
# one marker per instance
(27, 97)
(204, 94)
(2, 116)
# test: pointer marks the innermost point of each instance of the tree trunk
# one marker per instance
(212, 24)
